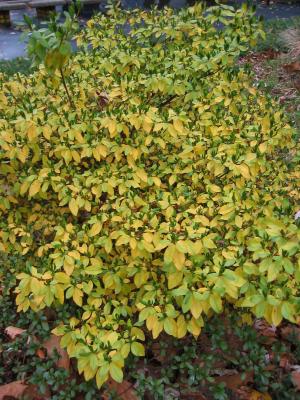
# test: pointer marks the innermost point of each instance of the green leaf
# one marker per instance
(137, 349)
(216, 302)
(116, 372)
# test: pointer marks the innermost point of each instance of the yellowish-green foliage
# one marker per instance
(167, 193)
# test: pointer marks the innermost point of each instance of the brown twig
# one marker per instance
(66, 88)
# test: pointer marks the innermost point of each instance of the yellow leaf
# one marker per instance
(148, 237)
(76, 156)
(196, 307)
(123, 239)
(265, 124)
(208, 243)
(156, 181)
(263, 147)
(276, 315)
(95, 229)
(132, 243)
(79, 136)
(194, 327)
(174, 279)
(61, 277)
(34, 188)
(226, 209)
(178, 260)
(181, 327)
(182, 246)
(24, 187)
(74, 254)
(68, 268)
(157, 328)
(197, 247)
(59, 293)
(147, 124)
(77, 296)
(169, 252)
(238, 221)
(244, 170)
(47, 132)
(142, 175)
(32, 133)
(102, 150)
(178, 125)
(23, 154)
(73, 207)
(255, 395)
(141, 278)
(112, 128)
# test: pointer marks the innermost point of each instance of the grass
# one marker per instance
(11, 67)
(273, 29)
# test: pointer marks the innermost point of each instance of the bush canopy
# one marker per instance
(166, 191)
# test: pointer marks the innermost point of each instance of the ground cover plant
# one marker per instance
(164, 192)
(229, 361)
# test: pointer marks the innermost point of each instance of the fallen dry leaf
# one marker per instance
(290, 331)
(264, 329)
(256, 57)
(193, 396)
(234, 381)
(14, 389)
(124, 390)
(40, 353)
(285, 362)
(296, 379)
(12, 332)
(54, 343)
(292, 67)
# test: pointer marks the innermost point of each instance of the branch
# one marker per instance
(66, 89)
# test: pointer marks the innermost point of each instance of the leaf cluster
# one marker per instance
(51, 44)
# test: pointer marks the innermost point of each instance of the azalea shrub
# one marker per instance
(163, 192)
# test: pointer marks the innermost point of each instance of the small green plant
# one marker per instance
(51, 45)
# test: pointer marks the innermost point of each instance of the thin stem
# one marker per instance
(66, 88)
(171, 98)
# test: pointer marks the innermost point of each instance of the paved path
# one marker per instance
(11, 46)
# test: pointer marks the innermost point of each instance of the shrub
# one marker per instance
(168, 191)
